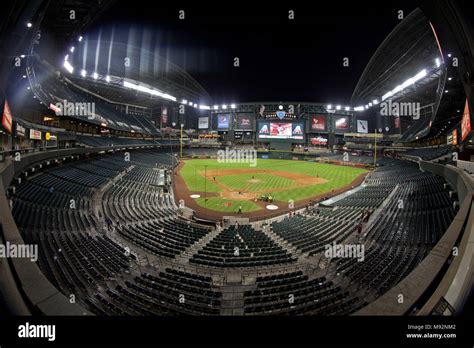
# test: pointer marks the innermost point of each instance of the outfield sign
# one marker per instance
(35, 134)
(244, 121)
(455, 137)
(318, 123)
(7, 118)
(281, 114)
(203, 123)
(223, 121)
(362, 126)
(449, 139)
(319, 141)
(20, 130)
(341, 123)
(465, 122)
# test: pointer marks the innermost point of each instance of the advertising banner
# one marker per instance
(244, 121)
(318, 123)
(7, 119)
(341, 122)
(203, 123)
(362, 126)
(318, 141)
(466, 122)
(223, 121)
(20, 130)
(35, 134)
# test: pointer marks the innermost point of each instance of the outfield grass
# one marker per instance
(281, 188)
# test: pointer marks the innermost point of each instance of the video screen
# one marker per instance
(280, 130)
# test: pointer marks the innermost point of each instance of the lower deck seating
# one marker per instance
(294, 293)
(241, 246)
(310, 234)
(411, 211)
(166, 238)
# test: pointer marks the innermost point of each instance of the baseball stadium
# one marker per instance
(150, 168)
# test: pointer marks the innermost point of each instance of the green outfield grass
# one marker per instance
(282, 188)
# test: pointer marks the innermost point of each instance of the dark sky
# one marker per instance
(280, 59)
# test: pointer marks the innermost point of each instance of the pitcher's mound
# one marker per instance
(254, 181)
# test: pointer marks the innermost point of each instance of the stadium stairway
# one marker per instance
(284, 244)
(188, 253)
(233, 299)
(376, 214)
(99, 194)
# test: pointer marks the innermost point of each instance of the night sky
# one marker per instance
(280, 59)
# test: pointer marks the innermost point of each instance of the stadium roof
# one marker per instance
(409, 66)
(151, 70)
(405, 51)
(60, 33)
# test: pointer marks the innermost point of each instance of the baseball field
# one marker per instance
(230, 187)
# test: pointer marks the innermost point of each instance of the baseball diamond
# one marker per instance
(225, 187)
